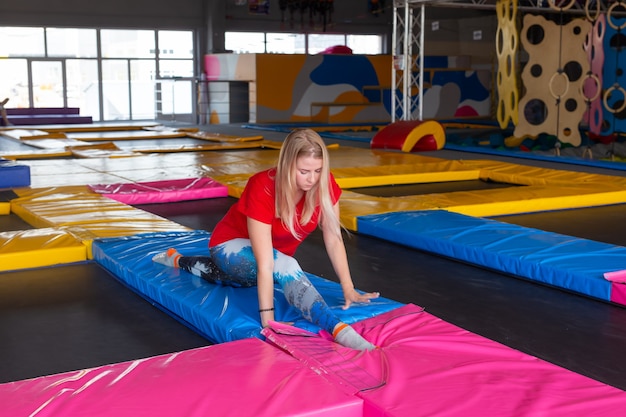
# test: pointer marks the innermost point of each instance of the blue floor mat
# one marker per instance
(562, 261)
(219, 313)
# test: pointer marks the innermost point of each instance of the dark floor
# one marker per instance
(578, 333)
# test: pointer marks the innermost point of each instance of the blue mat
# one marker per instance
(13, 174)
(219, 313)
(562, 261)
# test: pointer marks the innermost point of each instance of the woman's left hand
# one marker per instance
(353, 296)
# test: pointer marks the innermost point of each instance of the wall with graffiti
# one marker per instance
(340, 88)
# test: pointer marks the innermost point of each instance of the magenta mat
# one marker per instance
(167, 191)
(239, 379)
(428, 367)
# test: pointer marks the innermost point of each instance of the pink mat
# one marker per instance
(162, 191)
(243, 378)
(428, 367)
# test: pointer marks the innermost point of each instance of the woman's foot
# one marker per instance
(169, 258)
(345, 335)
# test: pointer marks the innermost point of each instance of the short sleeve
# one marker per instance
(335, 189)
(257, 198)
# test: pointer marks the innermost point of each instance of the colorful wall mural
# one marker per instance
(340, 88)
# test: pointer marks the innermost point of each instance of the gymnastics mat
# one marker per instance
(13, 174)
(239, 379)
(425, 366)
(162, 191)
(220, 313)
(39, 247)
(561, 261)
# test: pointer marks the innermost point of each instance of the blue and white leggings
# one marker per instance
(233, 263)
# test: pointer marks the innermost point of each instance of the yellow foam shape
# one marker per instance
(404, 174)
(429, 127)
(5, 207)
(39, 247)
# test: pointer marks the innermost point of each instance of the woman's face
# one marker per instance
(308, 171)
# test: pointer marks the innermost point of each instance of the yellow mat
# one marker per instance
(39, 247)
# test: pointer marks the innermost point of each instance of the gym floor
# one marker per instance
(78, 316)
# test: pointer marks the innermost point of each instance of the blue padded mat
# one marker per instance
(13, 174)
(558, 260)
(219, 313)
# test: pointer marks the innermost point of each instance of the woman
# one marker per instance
(255, 242)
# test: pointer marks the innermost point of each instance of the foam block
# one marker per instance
(220, 313)
(427, 367)
(39, 247)
(244, 378)
(162, 191)
(13, 174)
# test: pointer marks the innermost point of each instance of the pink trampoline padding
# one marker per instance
(243, 378)
(428, 367)
(162, 191)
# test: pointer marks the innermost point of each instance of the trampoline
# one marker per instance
(551, 324)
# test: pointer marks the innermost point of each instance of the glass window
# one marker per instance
(317, 43)
(18, 41)
(365, 44)
(128, 43)
(14, 82)
(175, 68)
(48, 84)
(175, 44)
(82, 86)
(142, 94)
(286, 43)
(245, 42)
(75, 43)
(115, 89)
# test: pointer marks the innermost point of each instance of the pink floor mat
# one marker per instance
(243, 378)
(162, 191)
(427, 367)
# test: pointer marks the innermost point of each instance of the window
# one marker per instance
(115, 79)
(299, 43)
(18, 41)
(75, 43)
(286, 43)
(245, 42)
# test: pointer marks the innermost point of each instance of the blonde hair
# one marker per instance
(303, 143)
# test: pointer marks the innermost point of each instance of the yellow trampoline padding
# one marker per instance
(122, 135)
(39, 247)
(219, 137)
(5, 207)
(95, 214)
(404, 174)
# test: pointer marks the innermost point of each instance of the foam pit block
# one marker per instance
(561, 261)
(233, 379)
(425, 366)
(218, 312)
(13, 174)
(162, 191)
(39, 247)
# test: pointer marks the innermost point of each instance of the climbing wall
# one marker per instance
(614, 76)
(553, 78)
(507, 41)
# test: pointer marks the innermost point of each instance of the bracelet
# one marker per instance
(264, 310)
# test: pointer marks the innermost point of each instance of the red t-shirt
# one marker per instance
(258, 202)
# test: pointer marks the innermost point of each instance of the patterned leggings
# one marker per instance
(233, 263)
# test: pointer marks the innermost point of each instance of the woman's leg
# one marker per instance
(235, 257)
(201, 266)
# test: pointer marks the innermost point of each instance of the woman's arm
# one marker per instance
(261, 240)
(339, 259)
